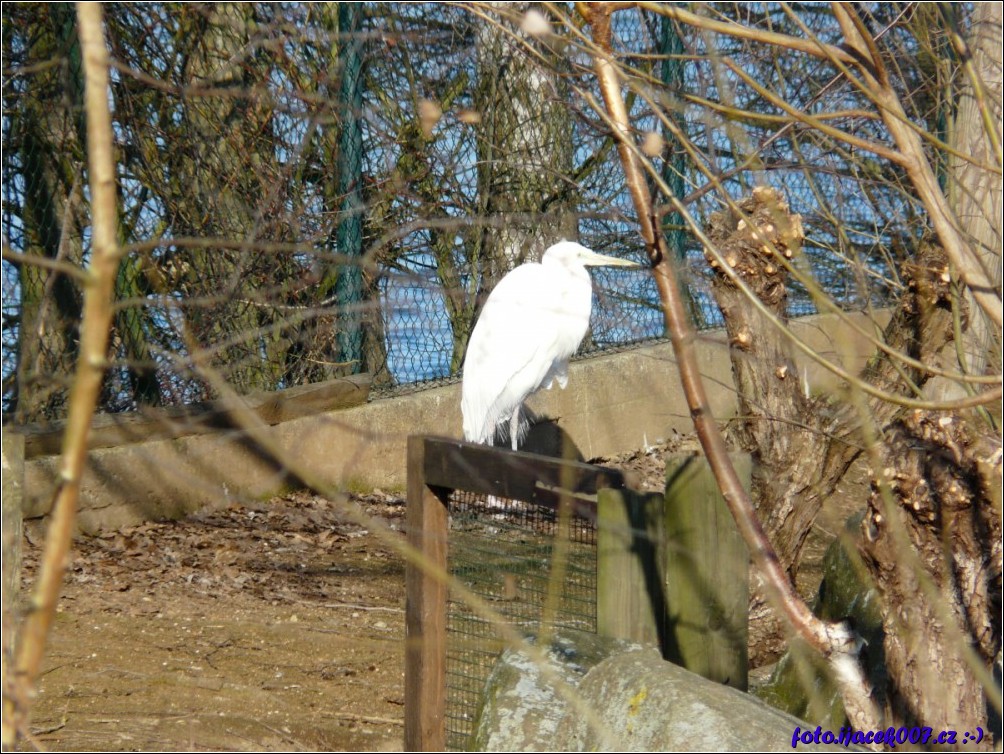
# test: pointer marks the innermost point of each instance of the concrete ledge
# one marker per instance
(113, 430)
(613, 403)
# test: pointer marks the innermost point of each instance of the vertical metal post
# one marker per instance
(349, 234)
(674, 168)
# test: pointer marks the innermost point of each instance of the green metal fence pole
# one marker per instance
(349, 235)
(673, 169)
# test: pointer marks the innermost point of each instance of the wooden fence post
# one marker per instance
(425, 610)
(707, 574)
(630, 537)
(13, 486)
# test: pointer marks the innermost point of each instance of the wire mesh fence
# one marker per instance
(517, 534)
(505, 552)
(308, 191)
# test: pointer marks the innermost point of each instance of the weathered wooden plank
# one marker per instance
(111, 430)
(13, 488)
(630, 593)
(309, 400)
(707, 573)
(425, 610)
(521, 476)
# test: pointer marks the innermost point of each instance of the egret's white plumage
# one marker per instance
(530, 326)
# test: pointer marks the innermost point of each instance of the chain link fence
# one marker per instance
(314, 190)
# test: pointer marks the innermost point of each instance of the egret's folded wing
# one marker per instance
(511, 350)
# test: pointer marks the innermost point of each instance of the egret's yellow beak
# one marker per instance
(592, 259)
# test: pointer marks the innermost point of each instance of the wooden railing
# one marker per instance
(112, 430)
(671, 571)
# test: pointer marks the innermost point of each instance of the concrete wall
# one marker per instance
(613, 403)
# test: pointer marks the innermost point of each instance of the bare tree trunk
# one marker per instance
(132, 327)
(524, 149)
(932, 533)
(804, 445)
(976, 190)
(50, 143)
(931, 538)
(221, 171)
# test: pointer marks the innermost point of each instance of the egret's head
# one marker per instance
(569, 252)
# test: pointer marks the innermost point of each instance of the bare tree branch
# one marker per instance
(97, 319)
(814, 48)
(970, 269)
(834, 641)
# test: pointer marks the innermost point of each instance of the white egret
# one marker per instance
(530, 326)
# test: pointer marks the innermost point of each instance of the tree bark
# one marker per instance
(220, 170)
(49, 135)
(932, 543)
(524, 148)
(976, 190)
(803, 445)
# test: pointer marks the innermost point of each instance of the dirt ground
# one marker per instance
(278, 627)
(273, 627)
